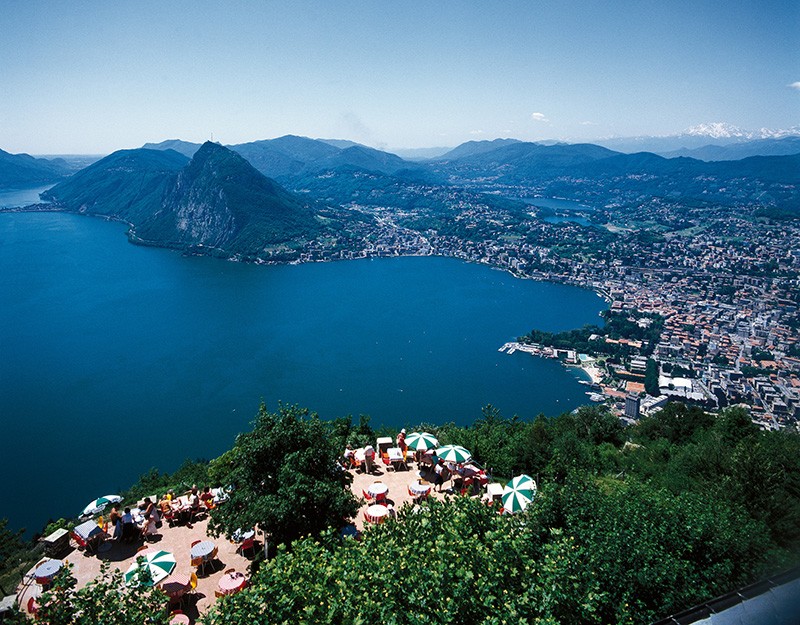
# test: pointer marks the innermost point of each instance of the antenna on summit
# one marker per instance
(212, 136)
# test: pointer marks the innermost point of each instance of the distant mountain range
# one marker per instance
(19, 171)
(244, 199)
(216, 202)
(701, 136)
(292, 155)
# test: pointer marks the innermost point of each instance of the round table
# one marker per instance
(203, 549)
(177, 585)
(179, 619)
(418, 489)
(377, 488)
(376, 513)
(359, 454)
(231, 583)
(46, 571)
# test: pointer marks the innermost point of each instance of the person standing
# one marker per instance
(401, 443)
(369, 458)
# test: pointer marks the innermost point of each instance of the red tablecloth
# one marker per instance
(176, 585)
(231, 583)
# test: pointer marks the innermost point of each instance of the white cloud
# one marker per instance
(795, 85)
(476, 132)
(588, 123)
(539, 117)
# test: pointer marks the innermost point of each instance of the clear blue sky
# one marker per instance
(92, 77)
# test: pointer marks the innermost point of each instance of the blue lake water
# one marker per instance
(116, 358)
(10, 198)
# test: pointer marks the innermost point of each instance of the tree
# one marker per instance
(651, 378)
(105, 600)
(285, 478)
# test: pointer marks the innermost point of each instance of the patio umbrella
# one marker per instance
(421, 441)
(516, 500)
(524, 484)
(159, 563)
(99, 504)
(453, 453)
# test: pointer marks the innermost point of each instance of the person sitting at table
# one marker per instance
(349, 456)
(170, 495)
(150, 514)
(207, 498)
(129, 529)
(115, 520)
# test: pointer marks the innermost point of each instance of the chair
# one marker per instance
(248, 544)
(32, 607)
(196, 542)
(78, 539)
(367, 496)
(169, 517)
(142, 548)
(218, 594)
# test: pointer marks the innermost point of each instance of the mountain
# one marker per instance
(18, 171)
(127, 185)
(695, 137)
(735, 151)
(217, 202)
(518, 161)
(340, 143)
(291, 155)
(182, 147)
(470, 148)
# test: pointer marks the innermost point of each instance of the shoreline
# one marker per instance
(200, 249)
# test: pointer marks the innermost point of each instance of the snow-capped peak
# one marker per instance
(717, 130)
(721, 130)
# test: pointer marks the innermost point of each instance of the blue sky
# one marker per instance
(92, 77)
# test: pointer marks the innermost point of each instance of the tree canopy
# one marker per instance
(285, 478)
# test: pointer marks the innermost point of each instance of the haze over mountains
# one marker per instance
(245, 199)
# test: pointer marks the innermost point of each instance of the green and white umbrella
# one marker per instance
(518, 493)
(421, 441)
(158, 563)
(99, 504)
(524, 484)
(453, 453)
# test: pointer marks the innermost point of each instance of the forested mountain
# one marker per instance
(18, 171)
(216, 201)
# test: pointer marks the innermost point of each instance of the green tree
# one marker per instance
(105, 599)
(285, 478)
(651, 378)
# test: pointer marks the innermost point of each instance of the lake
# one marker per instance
(10, 198)
(117, 358)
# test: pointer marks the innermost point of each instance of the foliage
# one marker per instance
(154, 482)
(285, 478)
(618, 326)
(651, 378)
(105, 600)
(580, 554)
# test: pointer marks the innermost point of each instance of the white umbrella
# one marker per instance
(99, 504)
(421, 441)
(453, 453)
(158, 563)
